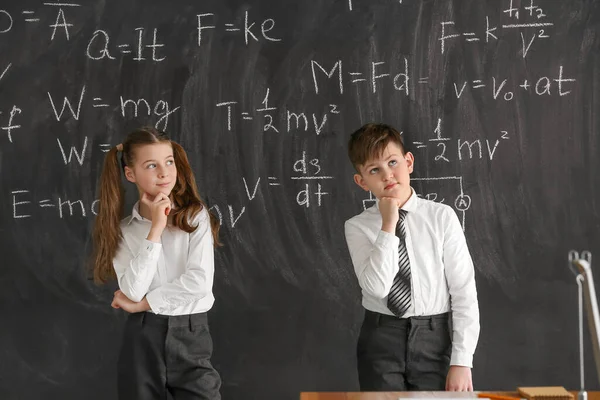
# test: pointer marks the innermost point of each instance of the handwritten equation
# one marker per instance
(403, 83)
(140, 47)
(295, 120)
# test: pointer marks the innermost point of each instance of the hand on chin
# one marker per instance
(396, 192)
(164, 190)
(152, 194)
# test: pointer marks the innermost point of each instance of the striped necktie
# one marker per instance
(399, 298)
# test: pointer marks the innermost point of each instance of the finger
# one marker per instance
(164, 203)
(161, 197)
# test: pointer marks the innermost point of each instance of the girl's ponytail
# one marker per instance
(107, 229)
(187, 197)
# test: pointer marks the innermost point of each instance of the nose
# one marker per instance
(163, 172)
(387, 174)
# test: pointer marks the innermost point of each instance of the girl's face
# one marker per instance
(154, 169)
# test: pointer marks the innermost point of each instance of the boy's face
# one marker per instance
(388, 175)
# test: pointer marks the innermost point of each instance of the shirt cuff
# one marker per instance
(156, 302)
(150, 250)
(461, 359)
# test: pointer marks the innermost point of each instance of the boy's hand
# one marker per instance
(459, 379)
(122, 301)
(388, 207)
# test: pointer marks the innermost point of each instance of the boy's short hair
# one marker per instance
(370, 140)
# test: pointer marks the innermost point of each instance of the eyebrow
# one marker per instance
(372, 164)
(171, 156)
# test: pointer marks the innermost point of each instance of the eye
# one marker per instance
(392, 163)
(374, 171)
(150, 166)
(170, 162)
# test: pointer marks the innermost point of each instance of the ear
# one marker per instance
(129, 175)
(358, 179)
(410, 161)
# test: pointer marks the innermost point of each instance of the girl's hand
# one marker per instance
(160, 207)
(122, 301)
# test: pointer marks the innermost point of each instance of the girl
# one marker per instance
(162, 256)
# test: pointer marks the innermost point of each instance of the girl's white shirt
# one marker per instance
(176, 275)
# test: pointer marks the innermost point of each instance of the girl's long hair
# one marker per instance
(107, 233)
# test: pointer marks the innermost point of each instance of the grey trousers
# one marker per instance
(166, 357)
(403, 354)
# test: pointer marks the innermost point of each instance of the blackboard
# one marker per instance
(498, 100)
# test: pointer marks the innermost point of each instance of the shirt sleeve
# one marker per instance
(197, 280)
(135, 272)
(375, 263)
(460, 276)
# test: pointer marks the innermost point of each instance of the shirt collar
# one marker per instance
(410, 205)
(412, 202)
(135, 213)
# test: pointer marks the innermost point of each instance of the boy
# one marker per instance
(413, 266)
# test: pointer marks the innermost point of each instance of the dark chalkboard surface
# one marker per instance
(498, 100)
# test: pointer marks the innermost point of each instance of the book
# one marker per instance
(545, 393)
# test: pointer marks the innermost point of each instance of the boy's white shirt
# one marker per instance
(442, 272)
(176, 275)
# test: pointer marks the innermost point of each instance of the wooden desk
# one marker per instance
(412, 395)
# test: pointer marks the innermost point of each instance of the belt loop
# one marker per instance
(142, 318)
(431, 323)
(191, 322)
(377, 319)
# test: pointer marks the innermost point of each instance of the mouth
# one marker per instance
(390, 186)
(164, 184)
